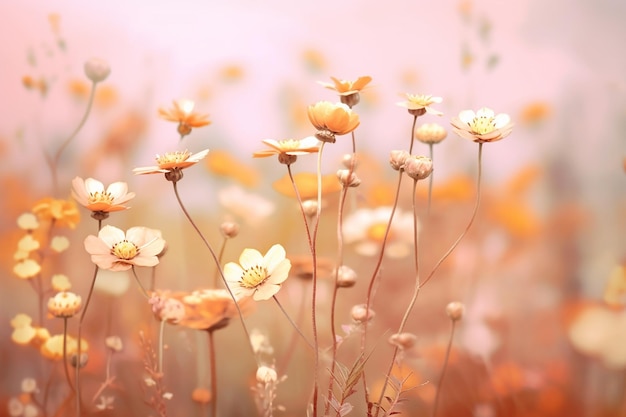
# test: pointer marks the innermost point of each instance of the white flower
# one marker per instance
(91, 194)
(482, 126)
(257, 275)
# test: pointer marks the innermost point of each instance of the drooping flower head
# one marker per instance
(331, 119)
(289, 149)
(91, 194)
(348, 90)
(115, 250)
(172, 163)
(183, 114)
(419, 104)
(482, 126)
(256, 275)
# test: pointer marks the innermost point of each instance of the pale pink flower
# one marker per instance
(115, 250)
(482, 126)
(91, 194)
(257, 275)
(173, 161)
(418, 104)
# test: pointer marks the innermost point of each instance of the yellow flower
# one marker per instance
(418, 104)
(482, 126)
(172, 162)
(26, 269)
(91, 194)
(183, 114)
(256, 275)
(221, 162)
(331, 119)
(288, 150)
(62, 212)
(52, 348)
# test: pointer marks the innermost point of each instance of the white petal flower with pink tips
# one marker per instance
(115, 250)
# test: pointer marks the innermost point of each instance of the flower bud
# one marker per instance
(455, 310)
(347, 178)
(349, 160)
(403, 340)
(97, 70)
(309, 207)
(430, 133)
(230, 229)
(397, 159)
(361, 314)
(418, 167)
(114, 343)
(346, 277)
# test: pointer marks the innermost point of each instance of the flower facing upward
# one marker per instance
(64, 304)
(171, 163)
(288, 150)
(183, 114)
(348, 90)
(418, 104)
(331, 119)
(91, 194)
(257, 275)
(482, 126)
(115, 250)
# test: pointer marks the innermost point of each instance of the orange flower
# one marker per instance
(62, 212)
(208, 309)
(332, 119)
(418, 104)
(183, 114)
(221, 162)
(172, 162)
(348, 90)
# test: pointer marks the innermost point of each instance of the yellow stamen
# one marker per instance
(482, 125)
(173, 157)
(100, 197)
(125, 250)
(376, 232)
(253, 277)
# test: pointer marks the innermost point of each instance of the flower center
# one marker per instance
(253, 277)
(100, 197)
(376, 232)
(173, 157)
(125, 250)
(482, 125)
(289, 145)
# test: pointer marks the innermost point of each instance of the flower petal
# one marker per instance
(274, 256)
(250, 257)
(111, 235)
(232, 273)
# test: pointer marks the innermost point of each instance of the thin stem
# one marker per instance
(57, 156)
(213, 364)
(412, 134)
(141, 287)
(469, 224)
(219, 259)
(282, 368)
(443, 370)
(430, 179)
(416, 291)
(295, 326)
(161, 333)
(65, 367)
(152, 278)
(217, 263)
(314, 291)
(80, 329)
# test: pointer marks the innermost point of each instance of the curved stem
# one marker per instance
(80, 329)
(217, 264)
(141, 287)
(212, 365)
(443, 370)
(57, 156)
(281, 369)
(219, 259)
(295, 326)
(65, 367)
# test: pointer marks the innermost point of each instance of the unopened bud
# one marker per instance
(455, 310)
(84, 358)
(418, 167)
(397, 159)
(403, 340)
(347, 178)
(97, 70)
(266, 375)
(430, 133)
(361, 314)
(229, 229)
(309, 207)
(346, 277)
(349, 160)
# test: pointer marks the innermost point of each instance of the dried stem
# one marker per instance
(443, 369)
